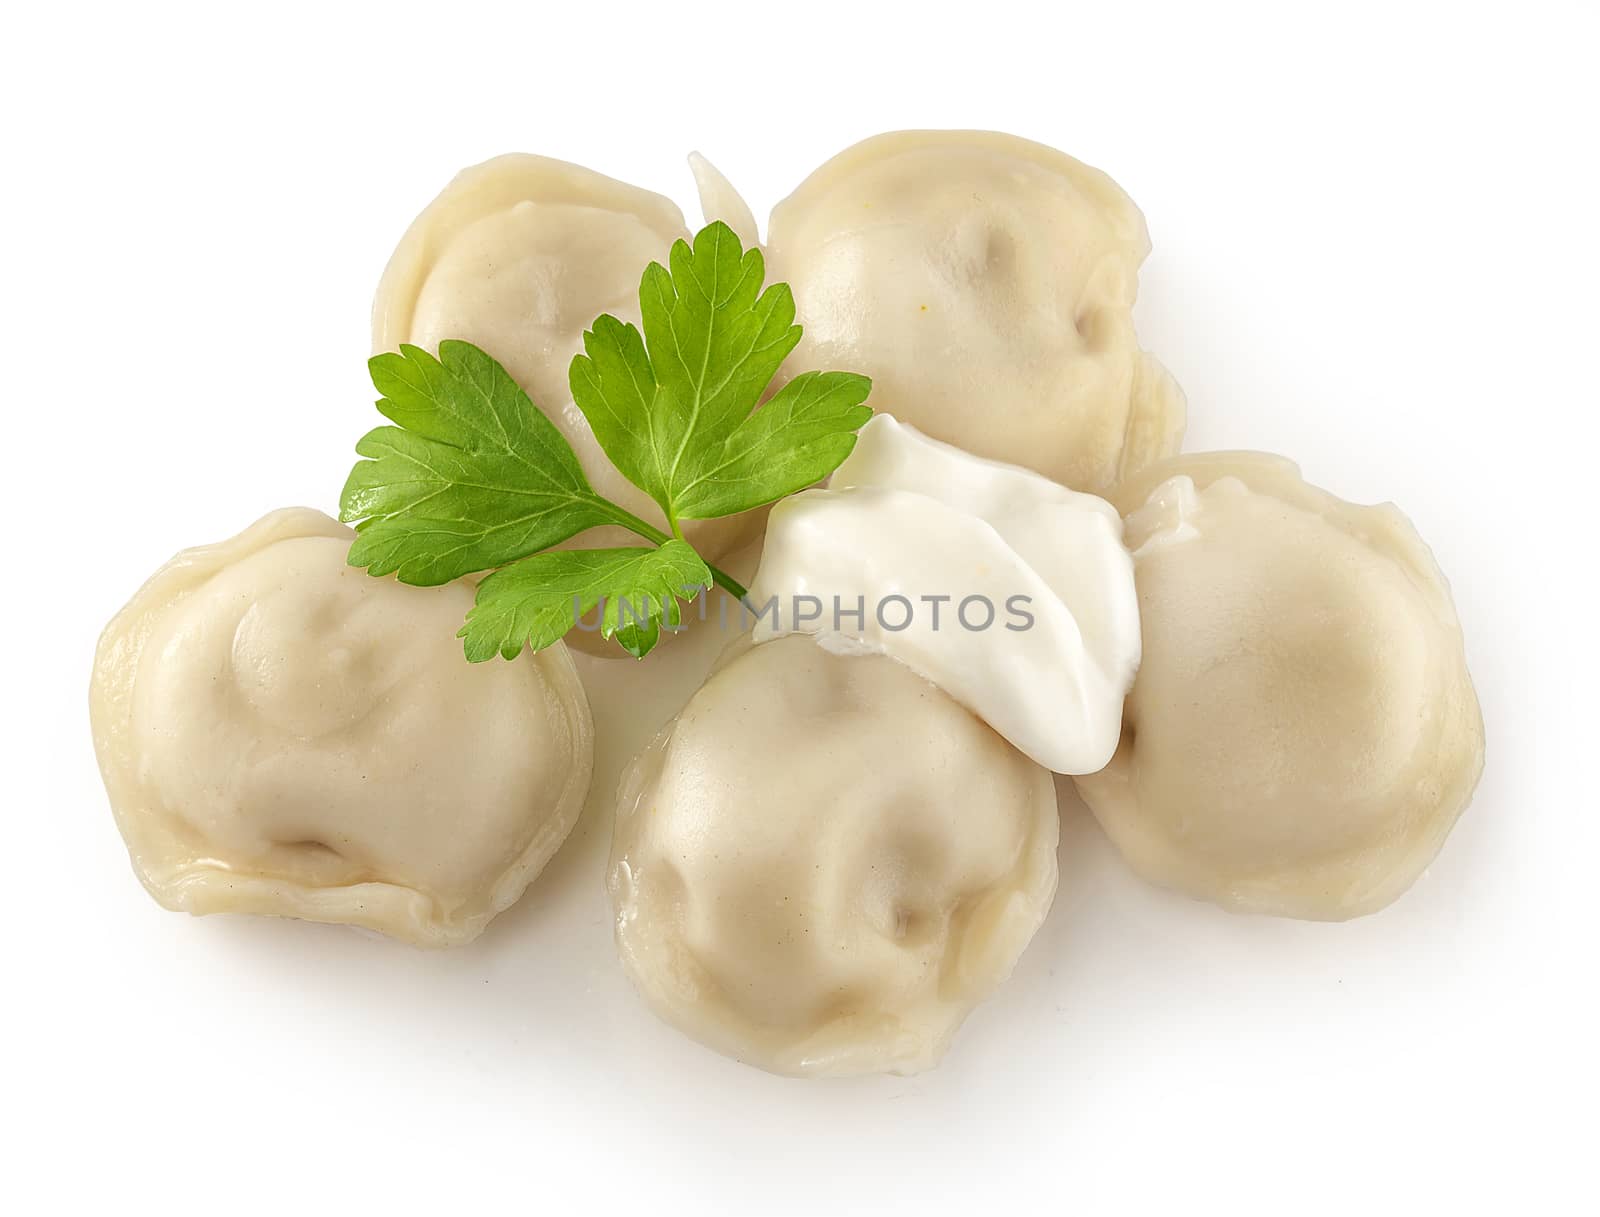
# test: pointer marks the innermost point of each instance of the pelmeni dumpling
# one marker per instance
(986, 284)
(824, 863)
(281, 733)
(518, 256)
(1303, 731)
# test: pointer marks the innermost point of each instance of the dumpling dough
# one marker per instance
(518, 256)
(824, 863)
(986, 284)
(281, 733)
(1303, 731)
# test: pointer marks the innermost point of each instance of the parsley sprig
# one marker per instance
(473, 477)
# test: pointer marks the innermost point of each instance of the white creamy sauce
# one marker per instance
(1167, 518)
(1011, 593)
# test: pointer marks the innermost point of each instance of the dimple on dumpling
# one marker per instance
(281, 733)
(518, 256)
(1303, 732)
(986, 284)
(825, 863)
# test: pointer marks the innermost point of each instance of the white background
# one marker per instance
(1376, 252)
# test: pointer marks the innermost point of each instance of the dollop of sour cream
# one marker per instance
(1010, 592)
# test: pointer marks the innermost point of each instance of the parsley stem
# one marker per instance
(727, 583)
(632, 522)
(650, 532)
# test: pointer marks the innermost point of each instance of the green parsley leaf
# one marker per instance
(673, 408)
(794, 441)
(535, 601)
(473, 476)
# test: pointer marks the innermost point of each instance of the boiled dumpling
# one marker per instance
(986, 284)
(281, 733)
(825, 863)
(518, 256)
(1303, 731)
